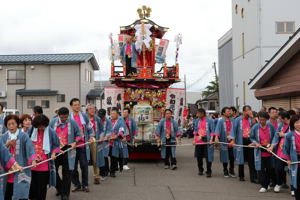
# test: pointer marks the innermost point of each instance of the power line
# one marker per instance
(199, 79)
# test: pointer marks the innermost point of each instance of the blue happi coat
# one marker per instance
(289, 149)
(133, 54)
(3, 129)
(24, 155)
(221, 132)
(254, 136)
(74, 134)
(119, 128)
(54, 146)
(107, 130)
(6, 162)
(161, 132)
(100, 162)
(237, 135)
(88, 133)
(277, 138)
(131, 131)
(210, 128)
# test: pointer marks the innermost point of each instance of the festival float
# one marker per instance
(143, 80)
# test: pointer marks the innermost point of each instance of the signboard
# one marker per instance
(113, 97)
(175, 102)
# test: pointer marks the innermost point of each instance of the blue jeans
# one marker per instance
(84, 166)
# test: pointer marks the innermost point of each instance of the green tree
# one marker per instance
(213, 87)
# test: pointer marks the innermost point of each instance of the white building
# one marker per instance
(225, 70)
(259, 29)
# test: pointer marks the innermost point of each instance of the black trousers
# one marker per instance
(169, 158)
(113, 162)
(265, 172)
(105, 169)
(9, 191)
(249, 157)
(297, 191)
(231, 161)
(38, 186)
(201, 153)
(125, 161)
(129, 69)
(63, 185)
(279, 171)
(81, 159)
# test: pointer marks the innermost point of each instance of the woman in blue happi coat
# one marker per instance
(222, 133)
(262, 135)
(291, 148)
(16, 186)
(167, 132)
(7, 163)
(46, 144)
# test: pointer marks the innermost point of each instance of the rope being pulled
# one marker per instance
(159, 144)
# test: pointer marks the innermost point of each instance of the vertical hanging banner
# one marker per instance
(113, 97)
(175, 102)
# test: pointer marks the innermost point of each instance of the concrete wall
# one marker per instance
(260, 40)
(85, 85)
(225, 73)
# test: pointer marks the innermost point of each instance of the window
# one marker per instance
(285, 27)
(15, 77)
(88, 76)
(45, 104)
(30, 104)
(61, 98)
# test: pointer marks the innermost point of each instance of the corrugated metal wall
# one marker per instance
(226, 75)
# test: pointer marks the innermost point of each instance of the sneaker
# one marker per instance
(292, 193)
(174, 167)
(113, 175)
(226, 174)
(263, 190)
(277, 188)
(76, 189)
(96, 181)
(167, 166)
(285, 186)
(200, 173)
(85, 189)
(232, 174)
(242, 179)
(125, 167)
(102, 178)
(208, 174)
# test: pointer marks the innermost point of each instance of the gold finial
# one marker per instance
(144, 12)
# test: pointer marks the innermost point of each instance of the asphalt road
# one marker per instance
(148, 180)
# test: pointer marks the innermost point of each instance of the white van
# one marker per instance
(11, 111)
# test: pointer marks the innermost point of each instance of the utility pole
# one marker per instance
(217, 80)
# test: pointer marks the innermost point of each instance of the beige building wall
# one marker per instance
(86, 85)
(38, 101)
(38, 77)
(10, 90)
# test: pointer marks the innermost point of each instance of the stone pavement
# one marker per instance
(148, 180)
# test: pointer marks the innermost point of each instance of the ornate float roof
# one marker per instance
(157, 31)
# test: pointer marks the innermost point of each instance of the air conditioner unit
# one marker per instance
(2, 94)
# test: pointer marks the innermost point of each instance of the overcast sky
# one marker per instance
(68, 26)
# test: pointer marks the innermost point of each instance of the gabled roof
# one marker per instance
(279, 59)
(68, 58)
